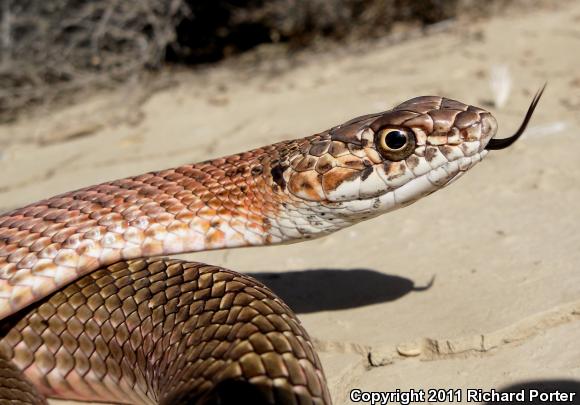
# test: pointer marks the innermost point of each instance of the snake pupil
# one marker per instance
(396, 139)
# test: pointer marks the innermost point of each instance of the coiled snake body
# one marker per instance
(85, 315)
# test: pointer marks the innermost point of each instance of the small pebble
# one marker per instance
(409, 349)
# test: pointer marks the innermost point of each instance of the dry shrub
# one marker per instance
(216, 29)
(51, 47)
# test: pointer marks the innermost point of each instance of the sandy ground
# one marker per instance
(480, 283)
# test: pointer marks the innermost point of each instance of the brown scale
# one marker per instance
(165, 198)
(161, 330)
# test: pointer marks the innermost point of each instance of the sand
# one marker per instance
(476, 286)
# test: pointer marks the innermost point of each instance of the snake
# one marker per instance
(92, 310)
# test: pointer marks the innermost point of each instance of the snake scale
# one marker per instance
(89, 312)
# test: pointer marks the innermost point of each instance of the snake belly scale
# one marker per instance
(88, 312)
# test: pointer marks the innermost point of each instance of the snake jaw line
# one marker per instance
(498, 144)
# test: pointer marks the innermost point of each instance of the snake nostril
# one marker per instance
(489, 124)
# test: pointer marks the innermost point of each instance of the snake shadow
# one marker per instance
(307, 291)
(542, 386)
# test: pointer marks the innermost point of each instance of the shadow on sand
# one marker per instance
(543, 386)
(316, 290)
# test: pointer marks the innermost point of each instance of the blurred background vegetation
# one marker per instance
(52, 48)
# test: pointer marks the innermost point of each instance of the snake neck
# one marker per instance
(240, 200)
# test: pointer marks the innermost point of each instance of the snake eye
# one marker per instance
(395, 143)
(393, 139)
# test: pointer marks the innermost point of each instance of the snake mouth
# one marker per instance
(497, 144)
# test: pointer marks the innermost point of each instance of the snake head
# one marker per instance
(376, 163)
